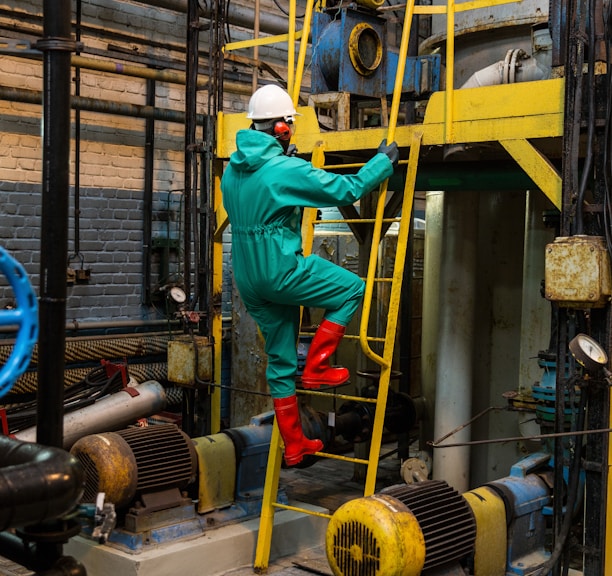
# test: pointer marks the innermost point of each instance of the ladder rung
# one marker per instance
(343, 458)
(356, 221)
(370, 338)
(354, 164)
(334, 395)
(296, 509)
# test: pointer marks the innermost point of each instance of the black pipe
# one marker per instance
(31, 557)
(56, 47)
(101, 106)
(37, 483)
(147, 233)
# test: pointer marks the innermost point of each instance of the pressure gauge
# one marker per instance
(588, 352)
(178, 294)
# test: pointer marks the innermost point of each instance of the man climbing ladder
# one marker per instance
(264, 190)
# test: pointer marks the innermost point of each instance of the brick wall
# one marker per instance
(112, 157)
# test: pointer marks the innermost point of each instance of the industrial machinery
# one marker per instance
(427, 527)
(186, 486)
(501, 111)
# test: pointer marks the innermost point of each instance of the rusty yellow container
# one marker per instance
(181, 360)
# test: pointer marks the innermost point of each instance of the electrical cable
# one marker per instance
(572, 496)
(586, 168)
(285, 12)
(96, 384)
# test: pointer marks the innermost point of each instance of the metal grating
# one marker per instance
(444, 516)
(349, 535)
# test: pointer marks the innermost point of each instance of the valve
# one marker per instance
(25, 316)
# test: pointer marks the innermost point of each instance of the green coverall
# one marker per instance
(263, 193)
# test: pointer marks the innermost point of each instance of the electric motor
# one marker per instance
(124, 463)
(400, 531)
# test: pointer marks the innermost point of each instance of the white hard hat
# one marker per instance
(270, 101)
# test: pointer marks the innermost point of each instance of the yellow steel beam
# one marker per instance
(525, 110)
(230, 46)
(537, 167)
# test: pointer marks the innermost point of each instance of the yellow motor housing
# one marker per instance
(375, 536)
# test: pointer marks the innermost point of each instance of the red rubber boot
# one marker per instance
(290, 425)
(317, 371)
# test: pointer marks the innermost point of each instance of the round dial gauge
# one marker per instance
(178, 294)
(588, 352)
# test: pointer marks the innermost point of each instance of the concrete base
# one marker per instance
(213, 553)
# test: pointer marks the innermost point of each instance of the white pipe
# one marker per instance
(455, 343)
(521, 69)
(111, 413)
(518, 66)
(431, 309)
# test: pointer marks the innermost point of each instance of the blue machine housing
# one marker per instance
(332, 69)
(421, 75)
(525, 495)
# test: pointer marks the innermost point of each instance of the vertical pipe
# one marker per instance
(535, 311)
(255, 48)
(56, 46)
(147, 208)
(455, 345)
(190, 127)
(431, 307)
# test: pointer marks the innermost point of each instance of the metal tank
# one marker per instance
(484, 36)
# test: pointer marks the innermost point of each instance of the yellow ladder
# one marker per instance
(270, 495)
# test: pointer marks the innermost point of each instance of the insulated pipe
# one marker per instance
(37, 483)
(108, 414)
(455, 342)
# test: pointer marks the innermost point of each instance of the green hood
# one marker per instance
(253, 150)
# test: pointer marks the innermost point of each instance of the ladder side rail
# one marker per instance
(393, 314)
(270, 494)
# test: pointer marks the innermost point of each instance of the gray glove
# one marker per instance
(390, 150)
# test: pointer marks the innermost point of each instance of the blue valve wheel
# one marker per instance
(25, 316)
